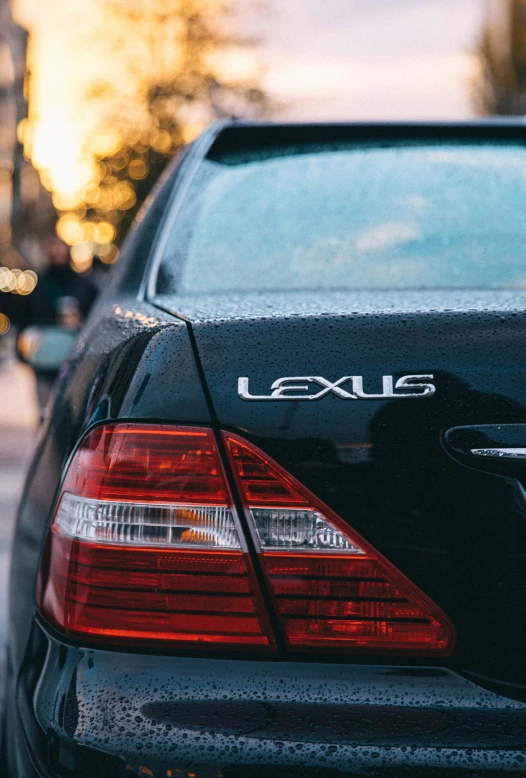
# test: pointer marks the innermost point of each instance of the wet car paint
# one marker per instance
(98, 712)
(179, 359)
(383, 465)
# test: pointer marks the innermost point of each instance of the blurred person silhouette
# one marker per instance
(61, 297)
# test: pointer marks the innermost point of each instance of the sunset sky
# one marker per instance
(340, 59)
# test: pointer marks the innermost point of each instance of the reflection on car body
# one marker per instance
(207, 586)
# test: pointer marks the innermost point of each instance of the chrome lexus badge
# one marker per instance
(301, 388)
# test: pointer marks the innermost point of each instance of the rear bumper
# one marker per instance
(87, 712)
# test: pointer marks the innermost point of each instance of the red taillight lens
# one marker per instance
(145, 548)
(331, 589)
(145, 545)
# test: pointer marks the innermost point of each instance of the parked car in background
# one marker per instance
(276, 521)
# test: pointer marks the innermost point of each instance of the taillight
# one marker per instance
(145, 545)
(330, 588)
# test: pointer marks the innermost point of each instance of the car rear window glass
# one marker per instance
(358, 217)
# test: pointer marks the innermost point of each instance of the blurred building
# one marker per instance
(501, 88)
(7, 121)
(26, 212)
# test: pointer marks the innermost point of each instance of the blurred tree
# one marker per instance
(500, 87)
(180, 66)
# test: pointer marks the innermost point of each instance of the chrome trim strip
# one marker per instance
(501, 453)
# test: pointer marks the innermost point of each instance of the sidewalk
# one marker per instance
(18, 405)
(19, 417)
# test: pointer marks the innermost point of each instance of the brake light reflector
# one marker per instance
(145, 547)
(331, 589)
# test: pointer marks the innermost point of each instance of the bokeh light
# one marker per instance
(108, 254)
(5, 324)
(17, 281)
(115, 89)
(82, 257)
(70, 229)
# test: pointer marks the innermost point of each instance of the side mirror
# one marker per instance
(45, 347)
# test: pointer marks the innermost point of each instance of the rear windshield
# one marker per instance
(359, 217)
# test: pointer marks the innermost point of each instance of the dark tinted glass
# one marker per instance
(402, 216)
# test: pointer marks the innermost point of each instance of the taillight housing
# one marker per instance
(331, 590)
(145, 545)
(146, 548)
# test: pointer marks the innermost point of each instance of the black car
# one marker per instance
(276, 520)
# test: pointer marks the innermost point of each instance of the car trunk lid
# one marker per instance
(383, 461)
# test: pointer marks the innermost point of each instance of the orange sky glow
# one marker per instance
(71, 50)
(366, 58)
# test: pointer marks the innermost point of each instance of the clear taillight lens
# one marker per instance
(289, 528)
(145, 547)
(146, 525)
(331, 589)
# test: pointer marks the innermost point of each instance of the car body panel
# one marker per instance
(138, 714)
(132, 362)
(382, 464)
(456, 529)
